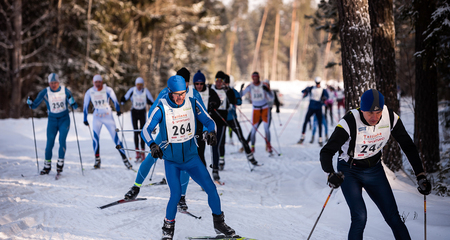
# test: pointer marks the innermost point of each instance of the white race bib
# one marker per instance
(371, 139)
(257, 92)
(180, 122)
(223, 98)
(99, 98)
(205, 97)
(57, 100)
(139, 99)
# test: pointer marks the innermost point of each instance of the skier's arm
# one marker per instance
(127, 95)
(154, 119)
(337, 139)
(41, 96)
(203, 116)
(87, 100)
(113, 98)
(150, 99)
(238, 97)
(246, 90)
(409, 148)
(69, 96)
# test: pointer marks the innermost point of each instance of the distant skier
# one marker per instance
(140, 97)
(360, 137)
(57, 98)
(261, 96)
(176, 117)
(340, 99)
(99, 95)
(317, 97)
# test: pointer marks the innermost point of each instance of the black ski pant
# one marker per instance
(236, 127)
(138, 116)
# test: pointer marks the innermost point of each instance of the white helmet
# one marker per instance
(317, 80)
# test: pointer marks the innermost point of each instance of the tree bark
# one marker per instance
(16, 80)
(383, 42)
(426, 124)
(357, 53)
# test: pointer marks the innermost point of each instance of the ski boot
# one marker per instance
(97, 163)
(127, 163)
(326, 137)
(251, 158)
(221, 163)
(269, 148)
(138, 155)
(222, 228)
(132, 194)
(47, 167)
(301, 139)
(60, 165)
(253, 148)
(312, 139)
(168, 229)
(320, 141)
(215, 174)
(182, 204)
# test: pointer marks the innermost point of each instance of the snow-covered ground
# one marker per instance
(280, 200)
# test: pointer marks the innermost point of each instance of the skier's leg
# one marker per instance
(111, 126)
(173, 180)
(184, 180)
(64, 126)
(134, 121)
(144, 169)
(96, 128)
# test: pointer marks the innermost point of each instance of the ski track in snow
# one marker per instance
(279, 200)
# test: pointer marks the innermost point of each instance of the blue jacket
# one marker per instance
(43, 96)
(317, 96)
(176, 152)
(232, 110)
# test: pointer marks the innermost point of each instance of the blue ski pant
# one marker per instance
(318, 113)
(316, 122)
(199, 173)
(374, 181)
(147, 164)
(55, 125)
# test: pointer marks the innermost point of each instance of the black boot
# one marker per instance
(132, 194)
(251, 158)
(47, 167)
(216, 174)
(221, 227)
(182, 204)
(168, 229)
(97, 163)
(127, 163)
(221, 163)
(312, 139)
(60, 165)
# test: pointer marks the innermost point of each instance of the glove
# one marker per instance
(123, 100)
(119, 113)
(424, 185)
(29, 101)
(132, 194)
(86, 123)
(265, 88)
(73, 103)
(156, 151)
(242, 86)
(212, 105)
(211, 138)
(335, 179)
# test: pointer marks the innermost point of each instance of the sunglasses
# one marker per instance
(219, 79)
(199, 83)
(179, 94)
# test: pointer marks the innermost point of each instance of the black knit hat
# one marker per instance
(227, 78)
(184, 73)
(221, 75)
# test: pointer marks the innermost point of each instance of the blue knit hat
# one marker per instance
(176, 83)
(199, 77)
(53, 77)
(372, 100)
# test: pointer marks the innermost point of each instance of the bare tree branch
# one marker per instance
(34, 64)
(35, 22)
(35, 36)
(35, 51)
(6, 45)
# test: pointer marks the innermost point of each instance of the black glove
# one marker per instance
(156, 151)
(132, 194)
(211, 138)
(86, 123)
(212, 105)
(265, 88)
(424, 185)
(335, 179)
(119, 113)
(123, 100)
(242, 86)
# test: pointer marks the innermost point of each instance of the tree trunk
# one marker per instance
(357, 53)
(273, 76)
(383, 42)
(426, 124)
(258, 41)
(16, 80)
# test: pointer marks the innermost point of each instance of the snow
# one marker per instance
(280, 200)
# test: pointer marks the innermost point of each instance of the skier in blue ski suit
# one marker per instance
(176, 116)
(57, 98)
(146, 165)
(99, 95)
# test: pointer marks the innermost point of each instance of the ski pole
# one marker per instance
(123, 136)
(127, 149)
(328, 198)
(34, 134)
(425, 216)
(279, 120)
(278, 140)
(134, 130)
(267, 141)
(153, 170)
(78, 142)
(290, 117)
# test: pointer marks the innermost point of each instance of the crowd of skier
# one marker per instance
(184, 118)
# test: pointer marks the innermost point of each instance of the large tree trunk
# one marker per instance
(426, 125)
(16, 80)
(383, 42)
(357, 54)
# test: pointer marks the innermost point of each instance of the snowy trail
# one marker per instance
(279, 200)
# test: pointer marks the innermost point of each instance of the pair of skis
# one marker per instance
(219, 237)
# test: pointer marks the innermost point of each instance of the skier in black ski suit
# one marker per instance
(359, 137)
